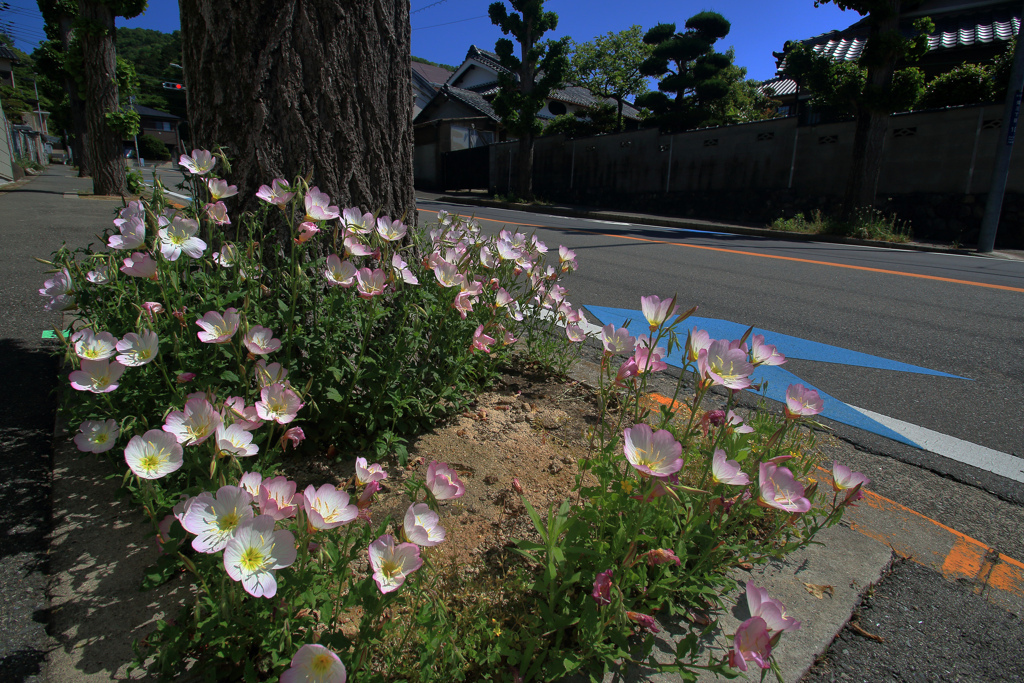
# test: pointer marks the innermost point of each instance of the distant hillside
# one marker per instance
(152, 53)
(430, 63)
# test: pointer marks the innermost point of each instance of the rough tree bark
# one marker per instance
(872, 114)
(99, 65)
(300, 86)
(79, 143)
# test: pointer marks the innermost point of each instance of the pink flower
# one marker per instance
(315, 664)
(602, 592)
(218, 213)
(339, 273)
(575, 333)
(90, 345)
(255, 551)
(260, 341)
(443, 482)
(153, 308)
(802, 402)
(153, 455)
(697, 341)
(652, 453)
(276, 194)
(278, 403)
(779, 489)
(250, 481)
(402, 269)
(180, 236)
(661, 556)
(217, 328)
(392, 562)
(195, 424)
(97, 376)
(327, 507)
(235, 440)
(318, 206)
(845, 479)
(752, 643)
(446, 273)
(649, 360)
(200, 163)
(219, 189)
(481, 342)
(132, 234)
(370, 283)
(772, 611)
(367, 473)
(277, 498)
(657, 310)
(390, 230)
(463, 303)
(213, 519)
(764, 354)
(422, 525)
(626, 371)
(644, 621)
(269, 373)
(140, 265)
(185, 377)
(366, 497)
(307, 229)
(293, 436)
(97, 437)
(138, 349)
(727, 471)
(566, 258)
(353, 247)
(356, 222)
(725, 366)
(617, 340)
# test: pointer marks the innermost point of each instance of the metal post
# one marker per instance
(572, 165)
(974, 151)
(1001, 167)
(668, 172)
(138, 156)
(39, 111)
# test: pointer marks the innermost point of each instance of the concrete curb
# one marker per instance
(693, 224)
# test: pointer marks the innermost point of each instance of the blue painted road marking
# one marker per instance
(778, 379)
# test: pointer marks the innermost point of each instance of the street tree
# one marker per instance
(297, 87)
(609, 66)
(529, 78)
(690, 73)
(886, 47)
(107, 124)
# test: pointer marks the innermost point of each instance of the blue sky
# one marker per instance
(444, 29)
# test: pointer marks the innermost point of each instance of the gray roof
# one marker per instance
(470, 99)
(779, 86)
(432, 74)
(7, 53)
(154, 113)
(956, 29)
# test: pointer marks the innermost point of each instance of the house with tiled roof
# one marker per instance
(7, 61)
(427, 79)
(966, 31)
(460, 115)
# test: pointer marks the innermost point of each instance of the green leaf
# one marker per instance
(229, 376)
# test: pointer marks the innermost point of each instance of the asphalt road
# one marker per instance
(945, 312)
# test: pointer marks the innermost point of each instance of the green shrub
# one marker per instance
(150, 147)
(965, 84)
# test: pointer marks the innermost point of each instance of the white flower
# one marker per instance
(214, 520)
(422, 525)
(195, 424)
(153, 455)
(92, 346)
(236, 441)
(97, 437)
(179, 237)
(255, 551)
(138, 349)
(327, 507)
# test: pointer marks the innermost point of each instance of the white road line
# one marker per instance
(997, 462)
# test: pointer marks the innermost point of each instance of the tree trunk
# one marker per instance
(99, 66)
(873, 113)
(295, 87)
(79, 146)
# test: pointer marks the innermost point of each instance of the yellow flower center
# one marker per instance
(101, 438)
(321, 664)
(151, 462)
(390, 569)
(228, 521)
(252, 559)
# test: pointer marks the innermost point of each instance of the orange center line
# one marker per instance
(752, 253)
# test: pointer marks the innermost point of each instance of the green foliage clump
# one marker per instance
(151, 147)
(962, 85)
(864, 223)
(592, 121)
(609, 66)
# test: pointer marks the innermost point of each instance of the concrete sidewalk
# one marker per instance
(78, 575)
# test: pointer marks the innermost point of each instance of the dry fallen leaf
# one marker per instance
(819, 591)
(856, 628)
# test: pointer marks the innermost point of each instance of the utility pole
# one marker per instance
(138, 158)
(1001, 167)
(39, 111)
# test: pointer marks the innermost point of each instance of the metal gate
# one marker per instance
(466, 169)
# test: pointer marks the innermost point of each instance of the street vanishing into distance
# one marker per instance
(958, 315)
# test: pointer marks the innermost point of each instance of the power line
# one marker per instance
(433, 4)
(482, 16)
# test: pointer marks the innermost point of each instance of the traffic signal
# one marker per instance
(173, 86)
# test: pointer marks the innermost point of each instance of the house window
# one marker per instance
(159, 125)
(556, 108)
(464, 137)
